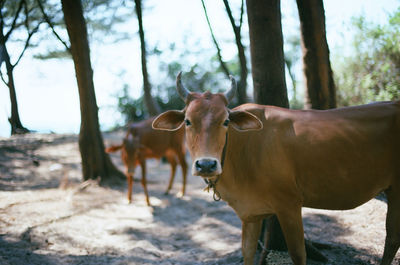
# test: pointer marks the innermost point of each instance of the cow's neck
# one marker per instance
(223, 156)
(228, 181)
(251, 169)
(237, 184)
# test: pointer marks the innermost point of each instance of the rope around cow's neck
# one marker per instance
(213, 184)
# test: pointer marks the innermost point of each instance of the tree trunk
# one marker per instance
(320, 87)
(15, 122)
(268, 71)
(242, 85)
(95, 162)
(266, 48)
(152, 107)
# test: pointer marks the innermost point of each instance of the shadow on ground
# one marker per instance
(40, 224)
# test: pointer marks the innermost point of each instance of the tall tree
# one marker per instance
(242, 84)
(15, 17)
(320, 87)
(268, 71)
(266, 49)
(152, 107)
(95, 162)
(14, 120)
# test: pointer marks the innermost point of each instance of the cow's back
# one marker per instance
(334, 159)
(157, 142)
(342, 158)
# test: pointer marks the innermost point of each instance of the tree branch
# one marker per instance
(229, 12)
(2, 40)
(223, 65)
(30, 34)
(241, 14)
(1, 15)
(21, 3)
(26, 22)
(48, 21)
(2, 78)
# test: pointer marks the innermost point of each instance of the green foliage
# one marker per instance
(26, 17)
(199, 77)
(292, 58)
(196, 79)
(59, 54)
(19, 20)
(103, 17)
(131, 109)
(372, 72)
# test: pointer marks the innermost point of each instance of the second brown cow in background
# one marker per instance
(142, 142)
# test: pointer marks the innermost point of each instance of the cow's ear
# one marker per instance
(170, 120)
(244, 121)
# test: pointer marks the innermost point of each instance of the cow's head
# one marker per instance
(207, 119)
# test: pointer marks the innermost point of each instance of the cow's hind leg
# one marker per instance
(392, 242)
(144, 181)
(182, 162)
(129, 173)
(129, 177)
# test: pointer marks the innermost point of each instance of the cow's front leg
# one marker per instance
(250, 233)
(292, 228)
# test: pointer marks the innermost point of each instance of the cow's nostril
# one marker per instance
(198, 165)
(213, 165)
(206, 166)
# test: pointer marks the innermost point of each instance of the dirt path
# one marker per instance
(41, 223)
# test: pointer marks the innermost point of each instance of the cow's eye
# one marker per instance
(187, 122)
(226, 122)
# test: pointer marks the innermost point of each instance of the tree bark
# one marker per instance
(95, 162)
(242, 84)
(152, 107)
(320, 87)
(268, 71)
(266, 48)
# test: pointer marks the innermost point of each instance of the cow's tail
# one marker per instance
(114, 148)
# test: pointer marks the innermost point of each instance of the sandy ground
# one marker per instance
(48, 217)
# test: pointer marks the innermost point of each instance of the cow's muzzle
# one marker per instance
(206, 167)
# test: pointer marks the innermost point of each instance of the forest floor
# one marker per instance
(47, 216)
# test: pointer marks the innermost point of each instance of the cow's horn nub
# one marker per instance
(231, 92)
(183, 92)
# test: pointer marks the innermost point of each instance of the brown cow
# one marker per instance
(142, 142)
(267, 160)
